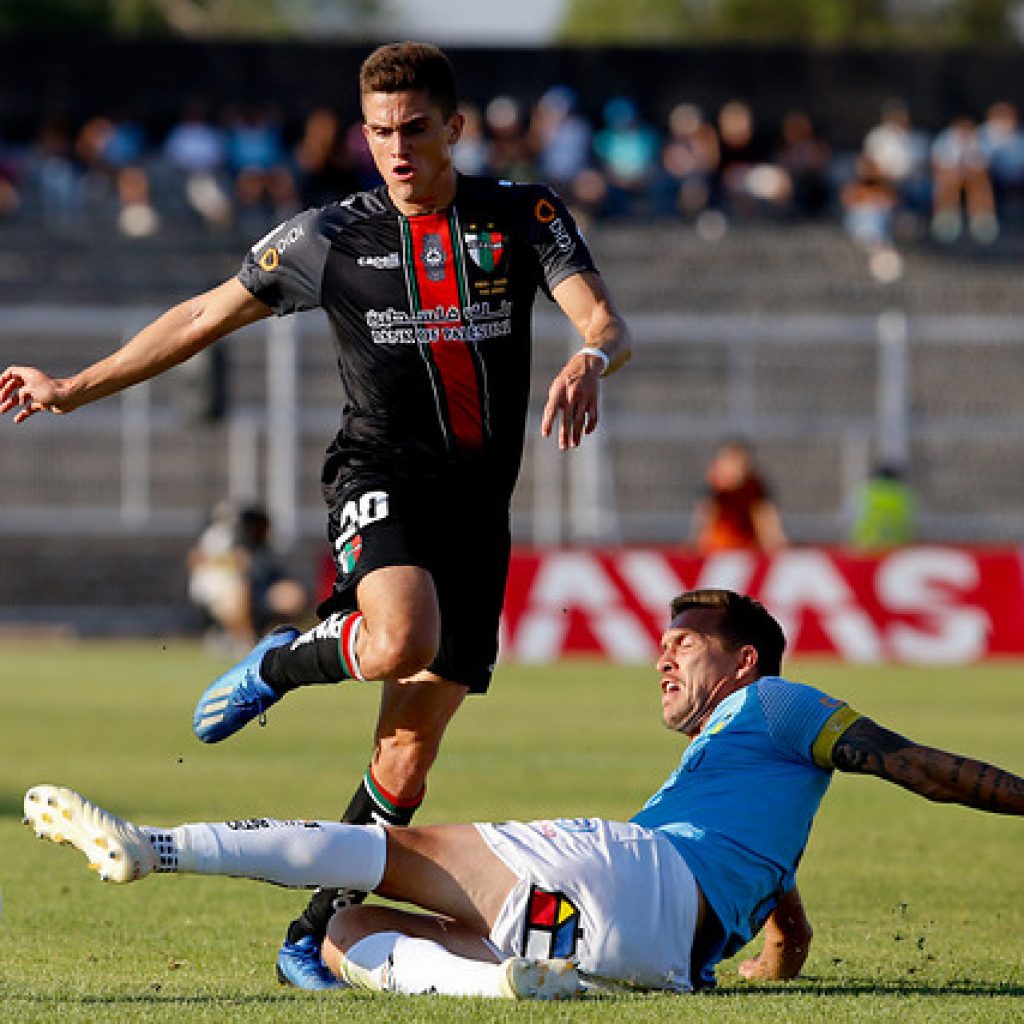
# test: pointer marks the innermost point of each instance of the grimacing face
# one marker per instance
(411, 142)
(697, 672)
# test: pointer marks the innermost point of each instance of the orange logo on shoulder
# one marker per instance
(270, 259)
(544, 211)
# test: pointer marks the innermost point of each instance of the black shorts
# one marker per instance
(454, 532)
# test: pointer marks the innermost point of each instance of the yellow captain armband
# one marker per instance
(834, 727)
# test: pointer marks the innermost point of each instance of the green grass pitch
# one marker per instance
(918, 909)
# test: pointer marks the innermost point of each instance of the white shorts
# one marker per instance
(617, 898)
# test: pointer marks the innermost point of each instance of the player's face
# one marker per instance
(697, 672)
(411, 142)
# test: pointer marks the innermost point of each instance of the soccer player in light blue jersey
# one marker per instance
(541, 909)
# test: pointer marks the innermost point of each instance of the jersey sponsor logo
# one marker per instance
(433, 257)
(357, 514)
(552, 925)
(391, 261)
(271, 257)
(545, 211)
(485, 247)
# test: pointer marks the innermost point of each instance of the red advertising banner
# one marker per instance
(921, 604)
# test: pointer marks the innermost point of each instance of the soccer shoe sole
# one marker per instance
(117, 850)
(540, 979)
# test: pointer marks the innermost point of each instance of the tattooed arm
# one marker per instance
(934, 774)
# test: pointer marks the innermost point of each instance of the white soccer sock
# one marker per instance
(393, 962)
(300, 854)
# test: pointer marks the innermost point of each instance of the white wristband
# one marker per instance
(593, 350)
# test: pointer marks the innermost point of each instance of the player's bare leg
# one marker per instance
(394, 633)
(411, 724)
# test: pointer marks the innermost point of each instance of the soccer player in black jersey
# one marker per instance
(428, 283)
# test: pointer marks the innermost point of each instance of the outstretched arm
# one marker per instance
(934, 774)
(787, 941)
(180, 333)
(573, 394)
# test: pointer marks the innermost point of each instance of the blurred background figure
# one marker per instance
(196, 149)
(750, 185)
(805, 157)
(561, 138)
(628, 150)
(689, 160)
(736, 510)
(237, 581)
(1002, 143)
(962, 185)
(470, 152)
(265, 189)
(322, 166)
(508, 153)
(898, 154)
(884, 513)
(869, 202)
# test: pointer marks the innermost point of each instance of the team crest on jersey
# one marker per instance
(434, 257)
(552, 926)
(348, 555)
(485, 248)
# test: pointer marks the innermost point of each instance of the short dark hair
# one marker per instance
(742, 621)
(411, 67)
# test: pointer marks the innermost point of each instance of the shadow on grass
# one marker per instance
(809, 987)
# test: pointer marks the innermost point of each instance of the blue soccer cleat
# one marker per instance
(240, 695)
(299, 964)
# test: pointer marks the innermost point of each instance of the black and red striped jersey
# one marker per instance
(430, 316)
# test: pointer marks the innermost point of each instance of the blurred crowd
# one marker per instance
(245, 167)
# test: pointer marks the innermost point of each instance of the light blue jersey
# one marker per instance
(740, 805)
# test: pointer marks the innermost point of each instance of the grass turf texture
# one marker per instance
(918, 909)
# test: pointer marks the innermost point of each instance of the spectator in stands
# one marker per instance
(52, 179)
(196, 149)
(628, 150)
(898, 154)
(1002, 142)
(322, 165)
(236, 579)
(112, 150)
(805, 157)
(689, 160)
(470, 153)
(736, 510)
(265, 189)
(562, 138)
(748, 184)
(961, 182)
(869, 203)
(884, 515)
(10, 173)
(509, 154)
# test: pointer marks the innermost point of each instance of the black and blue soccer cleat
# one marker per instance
(240, 695)
(299, 964)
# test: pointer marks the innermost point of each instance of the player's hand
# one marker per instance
(776, 962)
(30, 391)
(787, 941)
(573, 400)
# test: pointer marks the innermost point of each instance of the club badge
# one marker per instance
(552, 925)
(433, 256)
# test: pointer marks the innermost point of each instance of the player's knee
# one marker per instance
(403, 649)
(344, 930)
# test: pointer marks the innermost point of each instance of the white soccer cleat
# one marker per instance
(118, 850)
(539, 979)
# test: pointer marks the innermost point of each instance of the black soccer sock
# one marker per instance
(325, 654)
(369, 803)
